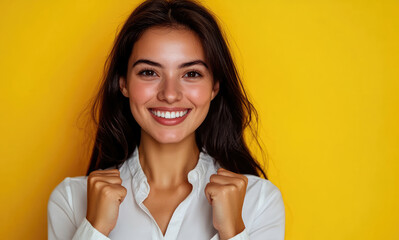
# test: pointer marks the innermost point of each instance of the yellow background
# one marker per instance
(323, 75)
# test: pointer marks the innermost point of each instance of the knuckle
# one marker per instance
(245, 179)
(231, 188)
(115, 171)
(241, 183)
(118, 180)
(208, 187)
(92, 179)
(97, 185)
(124, 191)
(212, 178)
(107, 190)
(96, 172)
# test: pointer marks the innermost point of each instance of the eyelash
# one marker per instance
(146, 71)
(195, 73)
(142, 73)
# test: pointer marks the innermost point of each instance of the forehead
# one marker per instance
(168, 45)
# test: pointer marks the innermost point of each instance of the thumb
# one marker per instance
(209, 191)
(122, 193)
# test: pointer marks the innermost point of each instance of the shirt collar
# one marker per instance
(197, 176)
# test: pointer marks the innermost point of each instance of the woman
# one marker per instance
(172, 112)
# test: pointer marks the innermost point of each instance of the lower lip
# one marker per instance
(169, 121)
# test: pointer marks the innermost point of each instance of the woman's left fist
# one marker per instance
(226, 192)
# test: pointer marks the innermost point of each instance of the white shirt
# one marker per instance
(263, 210)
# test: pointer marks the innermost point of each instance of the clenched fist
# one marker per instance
(226, 192)
(104, 195)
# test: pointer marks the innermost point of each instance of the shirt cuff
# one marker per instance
(241, 236)
(87, 232)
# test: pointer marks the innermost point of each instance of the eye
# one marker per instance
(193, 74)
(148, 73)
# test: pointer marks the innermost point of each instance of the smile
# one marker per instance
(169, 114)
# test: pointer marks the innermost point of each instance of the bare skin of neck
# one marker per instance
(166, 167)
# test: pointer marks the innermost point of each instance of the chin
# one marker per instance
(168, 138)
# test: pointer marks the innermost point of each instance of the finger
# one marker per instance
(109, 180)
(121, 192)
(112, 180)
(110, 170)
(104, 172)
(211, 190)
(96, 188)
(224, 180)
(114, 191)
(118, 191)
(224, 172)
(104, 175)
(98, 183)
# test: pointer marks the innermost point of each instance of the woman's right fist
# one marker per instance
(104, 195)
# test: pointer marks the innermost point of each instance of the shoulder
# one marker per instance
(70, 190)
(69, 186)
(68, 200)
(261, 187)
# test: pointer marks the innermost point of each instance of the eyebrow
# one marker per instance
(183, 65)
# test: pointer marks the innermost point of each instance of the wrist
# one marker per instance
(230, 232)
(99, 227)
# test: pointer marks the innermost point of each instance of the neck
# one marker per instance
(167, 165)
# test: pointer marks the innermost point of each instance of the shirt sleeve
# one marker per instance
(60, 217)
(269, 223)
(87, 231)
(241, 236)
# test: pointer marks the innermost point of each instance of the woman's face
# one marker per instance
(169, 84)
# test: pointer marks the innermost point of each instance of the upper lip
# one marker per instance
(170, 109)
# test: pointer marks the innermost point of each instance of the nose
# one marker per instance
(170, 90)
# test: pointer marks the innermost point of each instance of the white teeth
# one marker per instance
(169, 115)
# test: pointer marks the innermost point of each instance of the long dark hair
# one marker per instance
(230, 113)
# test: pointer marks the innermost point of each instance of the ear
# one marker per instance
(215, 89)
(123, 87)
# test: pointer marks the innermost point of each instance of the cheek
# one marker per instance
(141, 92)
(199, 95)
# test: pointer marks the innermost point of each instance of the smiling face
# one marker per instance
(169, 84)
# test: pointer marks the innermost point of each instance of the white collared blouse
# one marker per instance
(263, 210)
